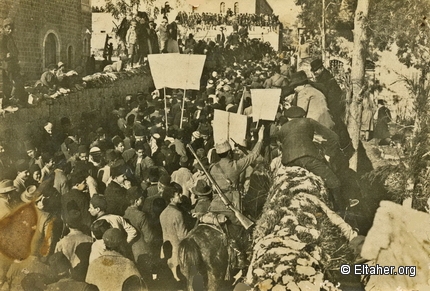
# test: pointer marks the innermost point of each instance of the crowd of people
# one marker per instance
(115, 198)
(208, 21)
(141, 36)
(129, 189)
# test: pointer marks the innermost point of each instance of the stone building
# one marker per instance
(237, 6)
(49, 31)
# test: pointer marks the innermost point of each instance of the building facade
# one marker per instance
(50, 31)
(237, 6)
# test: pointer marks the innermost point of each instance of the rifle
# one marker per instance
(242, 148)
(245, 221)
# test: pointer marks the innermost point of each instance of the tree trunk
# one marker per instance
(357, 75)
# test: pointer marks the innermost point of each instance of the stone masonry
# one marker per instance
(68, 20)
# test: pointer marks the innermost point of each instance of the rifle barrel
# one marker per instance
(245, 221)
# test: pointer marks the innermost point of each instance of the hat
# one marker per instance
(21, 166)
(6, 186)
(99, 201)
(227, 108)
(73, 218)
(134, 193)
(200, 103)
(116, 140)
(222, 147)
(282, 120)
(29, 145)
(35, 282)
(113, 238)
(52, 67)
(140, 131)
(154, 174)
(117, 170)
(82, 149)
(59, 263)
(148, 111)
(30, 194)
(295, 112)
(299, 78)
(200, 153)
(60, 64)
(183, 161)
(201, 188)
(204, 131)
(316, 64)
(100, 131)
(111, 155)
(34, 168)
(95, 150)
(139, 145)
(165, 180)
(196, 134)
(158, 119)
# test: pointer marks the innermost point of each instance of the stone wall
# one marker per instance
(68, 20)
(17, 127)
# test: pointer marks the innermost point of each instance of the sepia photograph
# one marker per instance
(203, 145)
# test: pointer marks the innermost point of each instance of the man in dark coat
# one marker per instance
(141, 163)
(142, 31)
(331, 90)
(61, 268)
(77, 199)
(116, 192)
(327, 84)
(141, 247)
(382, 117)
(298, 149)
(204, 197)
(13, 85)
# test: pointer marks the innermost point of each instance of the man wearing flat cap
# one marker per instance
(298, 149)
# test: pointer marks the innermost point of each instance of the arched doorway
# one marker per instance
(51, 47)
(236, 8)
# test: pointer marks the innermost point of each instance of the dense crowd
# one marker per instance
(115, 198)
(207, 21)
(141, 36)
(134, 175)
